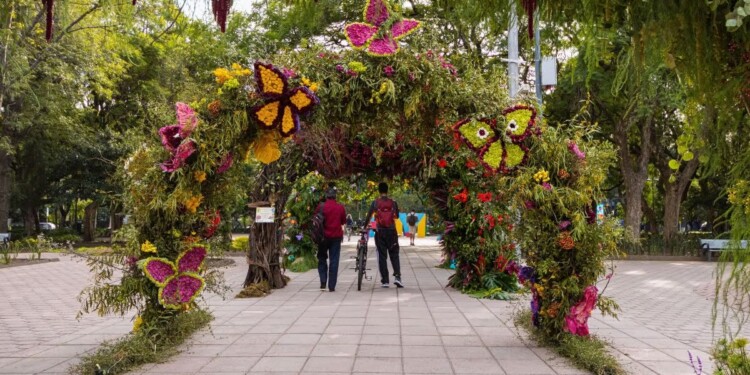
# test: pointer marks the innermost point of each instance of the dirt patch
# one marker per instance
(27, 262)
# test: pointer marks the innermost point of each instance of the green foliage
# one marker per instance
(152, 342)
(587, 353)
(303, 263)
(240, 244)
(307, 195)
(730, 357)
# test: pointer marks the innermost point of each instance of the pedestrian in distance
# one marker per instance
(411, 221)
(385, 210)
(330, 247)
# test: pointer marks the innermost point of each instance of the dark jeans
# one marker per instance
(330, 248)
(386, 241)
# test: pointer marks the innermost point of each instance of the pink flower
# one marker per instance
(412, 77)
(339, 68)
(573, 147)
(564, 224)
(289, 73)
(530, 205)
(547, 186)
(388, 70)
(576, 322)
(179, 157)
(226, 163)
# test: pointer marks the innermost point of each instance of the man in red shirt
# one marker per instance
(334, 218)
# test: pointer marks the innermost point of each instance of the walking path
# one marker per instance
(423, 328)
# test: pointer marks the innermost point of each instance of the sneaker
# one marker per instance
(385, 285)
(398, 282)
(322, 285)
(331, 290)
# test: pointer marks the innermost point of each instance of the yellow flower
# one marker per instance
(176, 233)
(266, 148)
(239, 71)
(541, 176)
(200, 176)
(193, 203)
(222, 75)
(306, 81)
(137, 323)
(148, 247)
(314, 86)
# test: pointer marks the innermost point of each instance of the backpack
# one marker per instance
(384, 213)
(317, 232)
(411, 220)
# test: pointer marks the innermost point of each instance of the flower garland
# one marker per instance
(380, 32)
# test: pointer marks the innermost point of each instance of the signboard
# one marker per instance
(549, 71)
(265, 214)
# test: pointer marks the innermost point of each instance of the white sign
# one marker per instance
(549, 71)
(265, 214)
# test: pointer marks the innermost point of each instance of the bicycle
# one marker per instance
(361, 259)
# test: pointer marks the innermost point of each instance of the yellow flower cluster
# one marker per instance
(313, 86)
(739, 195)
(266, 148)
(541, 176)
(193, 203)
(148, 247)
(199, 176)
(137, 323)
(223, 75)
(377, 95)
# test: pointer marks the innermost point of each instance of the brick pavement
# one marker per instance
(301, 330)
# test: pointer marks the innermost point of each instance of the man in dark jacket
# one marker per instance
(333, 233)
(386, 236)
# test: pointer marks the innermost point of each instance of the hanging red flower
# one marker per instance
(221, 11)
(442, 163)
(484, 197)
(462, 196)
(213, 219)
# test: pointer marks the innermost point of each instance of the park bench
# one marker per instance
(717, 246)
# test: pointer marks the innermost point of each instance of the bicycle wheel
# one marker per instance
(361, 259)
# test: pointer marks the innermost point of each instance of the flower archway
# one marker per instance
(497, 176)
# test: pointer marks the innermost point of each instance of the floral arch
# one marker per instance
(498, 176)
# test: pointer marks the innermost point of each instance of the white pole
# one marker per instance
(513, 51)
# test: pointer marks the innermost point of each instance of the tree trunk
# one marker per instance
(89, 221)
(674, 193)
(634, 169)
(650, 216)
(30, 220)
(63, 215)
(5, 185)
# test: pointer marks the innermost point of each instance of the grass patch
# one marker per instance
(152, 344)
(587, 353)
(303, 264)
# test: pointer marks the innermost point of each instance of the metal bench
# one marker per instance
(717, 246)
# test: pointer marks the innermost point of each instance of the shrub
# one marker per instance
(240, 244)
(303, 264)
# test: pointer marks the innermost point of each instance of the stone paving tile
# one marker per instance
(424, 328)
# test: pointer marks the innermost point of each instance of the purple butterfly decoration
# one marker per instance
(368, 34)
(173, 138)
(179, 282)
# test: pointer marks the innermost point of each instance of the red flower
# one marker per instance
(484, 197)
(462, 196)
(442, 163)
(471, 164)
(490, 221)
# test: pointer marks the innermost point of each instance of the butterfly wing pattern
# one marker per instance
(371, 35)
(178, 284)
(283, 106)
(500, 150)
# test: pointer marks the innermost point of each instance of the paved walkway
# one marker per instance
(423, 328)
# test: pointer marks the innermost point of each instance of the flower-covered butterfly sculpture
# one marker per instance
(380, 31)
(174, 138)
(284, 105)
(500, 151)
(179, 282)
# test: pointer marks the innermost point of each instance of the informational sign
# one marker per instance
(265, 214)
(600, 212)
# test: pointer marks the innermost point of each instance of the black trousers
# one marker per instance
(386, 241)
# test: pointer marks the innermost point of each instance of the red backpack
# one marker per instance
(384, 213)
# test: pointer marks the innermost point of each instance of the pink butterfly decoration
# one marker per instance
(368, 34)
(179, 282)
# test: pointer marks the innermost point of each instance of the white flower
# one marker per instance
(483, 133)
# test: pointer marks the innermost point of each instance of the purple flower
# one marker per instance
(590, 215)
(573, 147)
(563, 224)
(547, 186)
(170, 137)
(131, 261)
(339, 68)
(412, 77)
(288, 73)
(527, 274)
(388, 70)
(512, 268)
(352, 73)
(226, 163)
(535, 309)
(299, 236)
(191, 260)
(181, 289)
(530, 205)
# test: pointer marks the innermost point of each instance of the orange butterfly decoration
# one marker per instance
(284, 106)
